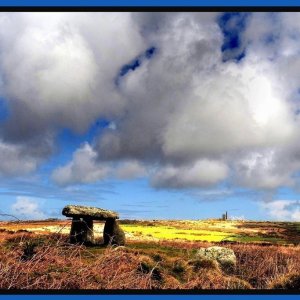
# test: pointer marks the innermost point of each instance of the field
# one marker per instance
(158, 255)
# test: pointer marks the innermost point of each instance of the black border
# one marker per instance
(66, 8)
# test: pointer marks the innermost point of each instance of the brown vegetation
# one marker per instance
(30, 261)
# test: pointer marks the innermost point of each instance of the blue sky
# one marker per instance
(154, 115)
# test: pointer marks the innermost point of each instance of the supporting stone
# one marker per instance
(75, 230)
(89, 233)
(82, 231)
(113, 234)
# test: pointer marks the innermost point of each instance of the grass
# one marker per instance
(158, 255)
(56, 264)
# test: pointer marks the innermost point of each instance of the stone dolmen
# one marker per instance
(82, 225)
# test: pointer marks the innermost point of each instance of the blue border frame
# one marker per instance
(146, 3)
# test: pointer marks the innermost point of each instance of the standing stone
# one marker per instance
(82, 231)
(113, 234)
(89, 233)
(76, 231)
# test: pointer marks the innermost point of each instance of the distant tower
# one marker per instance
(225, 216)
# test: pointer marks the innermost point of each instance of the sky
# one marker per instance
(153, 115)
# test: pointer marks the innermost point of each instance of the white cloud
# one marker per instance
(225, 111)
(85, 168)
(233, 108)
(202, 173)
(237, 218)
(130, 170)
(186, 106)
(283, 210)
(185, 112)
(264, 169)
(58, 70)
(82, 169)
(27, 208)
(62, 66)
(15, 161)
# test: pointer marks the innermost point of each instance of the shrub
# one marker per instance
(238, 284)
(171, 282)
(148, 266)
(29, 250)
(157, 257)
(179, 266)
(205, 263)
(287, 282)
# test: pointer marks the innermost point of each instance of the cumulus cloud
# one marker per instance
(82, 169)
(230, 110)
(268, 168)
(187, 105)
(283, 210)
(130, 169)
(221, 107)
(202, 173)
(57, 70)
(15, 160)
(61, 66)
(27, 208)
(188, 116)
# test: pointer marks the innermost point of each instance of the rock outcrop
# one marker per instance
(224, 256)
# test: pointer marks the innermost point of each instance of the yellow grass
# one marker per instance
(170, 233)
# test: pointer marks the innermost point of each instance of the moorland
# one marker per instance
(159, 254)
